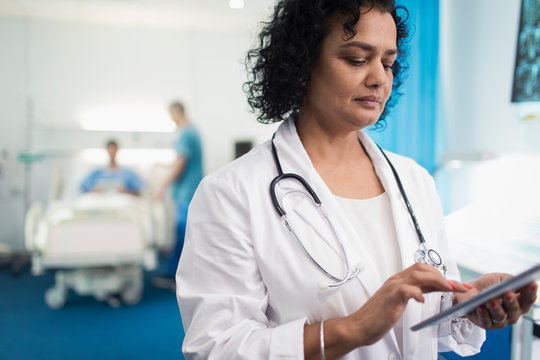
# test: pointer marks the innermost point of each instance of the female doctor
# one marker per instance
(315, 245)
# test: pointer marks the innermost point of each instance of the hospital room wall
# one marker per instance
(478, 46)
(13, 126)
(53, 70)
(478, 124)
(93, 65)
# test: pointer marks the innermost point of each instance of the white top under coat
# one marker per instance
(375, 228)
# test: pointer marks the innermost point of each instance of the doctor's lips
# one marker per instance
(370, 100)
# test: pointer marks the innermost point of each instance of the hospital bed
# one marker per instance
(97, 244)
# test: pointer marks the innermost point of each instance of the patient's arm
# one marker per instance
(131, 192)
(89, 183)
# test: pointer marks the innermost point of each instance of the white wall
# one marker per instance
(478, 46)
(13, 118)
(54, 70)
(75, 67)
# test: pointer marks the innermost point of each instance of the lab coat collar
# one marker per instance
(294, 158)
(406, 234)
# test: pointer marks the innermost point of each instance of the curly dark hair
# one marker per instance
(279, 67)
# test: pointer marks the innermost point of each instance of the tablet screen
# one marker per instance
(511, 284)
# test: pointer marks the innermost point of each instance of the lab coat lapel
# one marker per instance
(405, 232)
(408, 244)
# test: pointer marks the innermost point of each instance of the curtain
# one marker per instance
(411, 125)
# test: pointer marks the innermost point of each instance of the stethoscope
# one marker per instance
(424, 254)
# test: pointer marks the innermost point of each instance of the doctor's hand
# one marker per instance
(501, 311)
(380, 313)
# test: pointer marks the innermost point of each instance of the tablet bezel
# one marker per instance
(462, 309)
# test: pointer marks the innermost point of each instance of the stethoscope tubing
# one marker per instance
(427, 255)
(405, 199)
(281, 176)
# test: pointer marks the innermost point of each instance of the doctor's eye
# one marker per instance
(356, 61)
(388, 67)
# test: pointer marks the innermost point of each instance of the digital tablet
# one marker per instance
(494, 291)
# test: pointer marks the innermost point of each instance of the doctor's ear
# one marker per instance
(304, 81)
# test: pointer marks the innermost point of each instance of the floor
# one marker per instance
(85, 328)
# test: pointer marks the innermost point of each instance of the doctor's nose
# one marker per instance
(378, 76)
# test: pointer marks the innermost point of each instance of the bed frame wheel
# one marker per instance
(132, 293)
(56, 297)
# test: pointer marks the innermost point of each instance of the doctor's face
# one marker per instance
(352, 78)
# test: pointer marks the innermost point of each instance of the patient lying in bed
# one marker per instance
(112, 178)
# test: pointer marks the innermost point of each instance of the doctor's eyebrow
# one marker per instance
(367, 47)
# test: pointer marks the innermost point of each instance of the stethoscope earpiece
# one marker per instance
(360, 266)
(323, 285)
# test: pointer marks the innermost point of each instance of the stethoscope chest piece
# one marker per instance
(427, 256)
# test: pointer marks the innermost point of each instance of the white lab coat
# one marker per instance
(245, 286)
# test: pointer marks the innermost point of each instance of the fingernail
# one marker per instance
(493, 304)
(509, 298)
(451, 284)
(468, 286)
(480, 309)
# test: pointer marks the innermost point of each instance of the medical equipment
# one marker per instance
(424, 254)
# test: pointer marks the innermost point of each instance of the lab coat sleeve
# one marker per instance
(465, 338)
(221, 295)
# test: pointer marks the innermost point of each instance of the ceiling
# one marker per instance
(158, 13)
